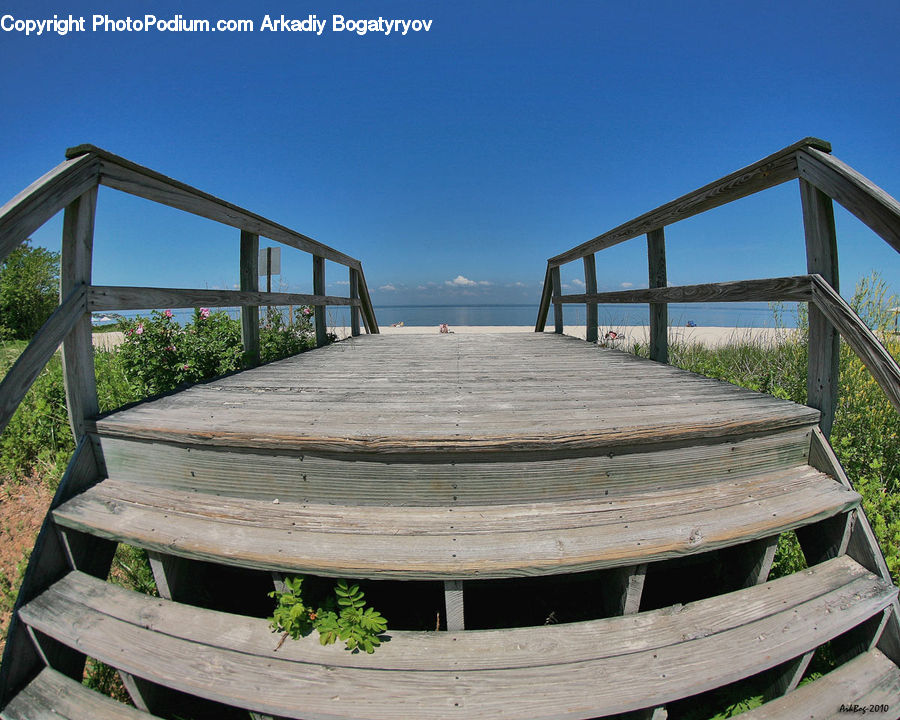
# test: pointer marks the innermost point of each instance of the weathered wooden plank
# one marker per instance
(557, 307)
(454, 605)
(368, 310)
(45, 197)
(788, 677)
(319, 289)
(767, 290)
(768, 172)
(870, 679)
(544, 307)
(858, 336)
(249, 273)
(750, 563)
(622, 595)
(75, 273)
(826, 539)
(31, 362)
(679, 654)
(859, 195)
(110, 297)
(121, 174)
(590, 286)
(824, 341)
(659, 312)
(509, 481)
(354, 295)
(450, 543)
(53, 696)
(47, 564)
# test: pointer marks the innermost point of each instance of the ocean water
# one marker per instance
(729, 315)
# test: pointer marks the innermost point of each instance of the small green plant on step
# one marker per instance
(343, 616)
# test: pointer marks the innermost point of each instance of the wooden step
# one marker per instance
(490, 541)
(518, 478)
(869, 681)
(578, 670)
(455, 396)
(53, 696)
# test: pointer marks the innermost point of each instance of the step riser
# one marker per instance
(311, 478)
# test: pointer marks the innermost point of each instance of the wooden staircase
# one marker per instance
(593, 532)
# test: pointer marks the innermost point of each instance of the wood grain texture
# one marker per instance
(45, 197)
(795, 289)
(78, 350)
(544, 306)
(590, 286)
(392, 395)
(47, 564)
(249, 275)
(319, 289)
(824, 341)
(858, 336)
(354, 295)
(121, 174)
(859, 195)
(109, 297)
(368, 311)
(659, 312)
(768, 172)
(643, 660)
(35, 357)
(557, 307)
(866, 680)
(455, 542)
(788, 676)
(53, 696)
(406, 483)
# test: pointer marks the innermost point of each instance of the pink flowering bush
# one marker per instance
(159, 354)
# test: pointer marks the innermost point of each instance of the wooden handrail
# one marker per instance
(104, 298)
(858, 194)
(768, 172)
(28, 365)
(796, 288)
(73, 185)
(859, 337)
(811, 288)
(121, 174)
(45, 197)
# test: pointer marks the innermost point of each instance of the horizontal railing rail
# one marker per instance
(72, 186)
(823, 179)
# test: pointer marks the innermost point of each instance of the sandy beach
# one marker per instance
(625, 336)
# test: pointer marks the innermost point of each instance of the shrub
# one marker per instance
(29, 291)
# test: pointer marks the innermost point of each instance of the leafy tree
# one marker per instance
(29, 291)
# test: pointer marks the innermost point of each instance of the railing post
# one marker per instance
(544, 307)
(354, 295)
(824, 341)
(78, 350)
(590, 286)
(319, 289)
(659, 312)
(557, 306)
(250, 282)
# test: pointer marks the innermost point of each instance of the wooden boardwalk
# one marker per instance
(553, 529)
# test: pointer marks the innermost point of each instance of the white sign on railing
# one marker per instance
(270, 261)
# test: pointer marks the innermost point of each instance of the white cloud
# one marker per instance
(340, 282)
(516, 284)
(484, 282)
(387, 287)
(421, 287)
(578, 283)
(626, 285)
(460, 281)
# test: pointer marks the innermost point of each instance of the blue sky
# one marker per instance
(454, 162)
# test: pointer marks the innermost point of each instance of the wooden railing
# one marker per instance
(822, 179)
(73, 186)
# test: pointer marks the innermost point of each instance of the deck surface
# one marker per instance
(385, 394)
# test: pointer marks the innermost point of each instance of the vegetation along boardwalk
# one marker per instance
(552, 529)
